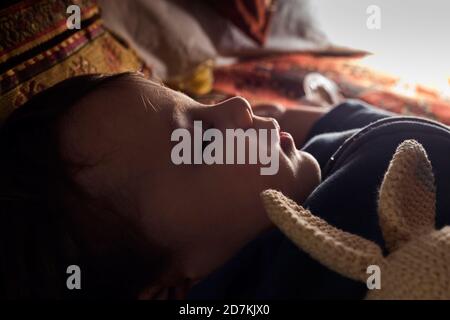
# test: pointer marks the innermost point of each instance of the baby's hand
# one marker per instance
(269, 110)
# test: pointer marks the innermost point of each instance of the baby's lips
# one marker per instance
(287, 142)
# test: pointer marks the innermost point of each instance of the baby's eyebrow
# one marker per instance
(148, 103)
(176, 118)
(172, 104)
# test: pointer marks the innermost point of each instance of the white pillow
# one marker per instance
(292, 28)
(168, 38)
(175, 36)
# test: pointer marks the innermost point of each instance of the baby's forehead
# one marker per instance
(122, 94)
(127, 98)
(129, 107)
(151, 93)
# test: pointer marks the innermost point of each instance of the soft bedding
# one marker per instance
(279, 79)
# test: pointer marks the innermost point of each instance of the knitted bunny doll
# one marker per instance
(418, 263)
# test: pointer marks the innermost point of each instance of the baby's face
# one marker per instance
(202, 213)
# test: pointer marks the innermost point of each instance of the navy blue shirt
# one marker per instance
(353, 144)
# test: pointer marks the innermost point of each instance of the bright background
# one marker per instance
(413, 42)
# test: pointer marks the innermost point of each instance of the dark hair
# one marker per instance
(47, 222)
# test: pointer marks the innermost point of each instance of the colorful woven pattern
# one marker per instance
(280, 79)
(37, 50)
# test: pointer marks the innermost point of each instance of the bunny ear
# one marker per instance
(407, 199)
(342, 252)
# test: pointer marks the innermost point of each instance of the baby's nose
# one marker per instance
(234, 113)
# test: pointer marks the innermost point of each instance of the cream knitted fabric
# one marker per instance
(418, 266)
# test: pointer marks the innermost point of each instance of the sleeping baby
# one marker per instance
(89, 179)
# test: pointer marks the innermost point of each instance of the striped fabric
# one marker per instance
(37, 50)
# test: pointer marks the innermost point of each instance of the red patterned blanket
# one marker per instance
(279, 79)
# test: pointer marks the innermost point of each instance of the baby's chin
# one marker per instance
(297, 178)
(307, 177)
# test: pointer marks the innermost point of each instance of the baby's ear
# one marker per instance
(342, 252)
(407, 198)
